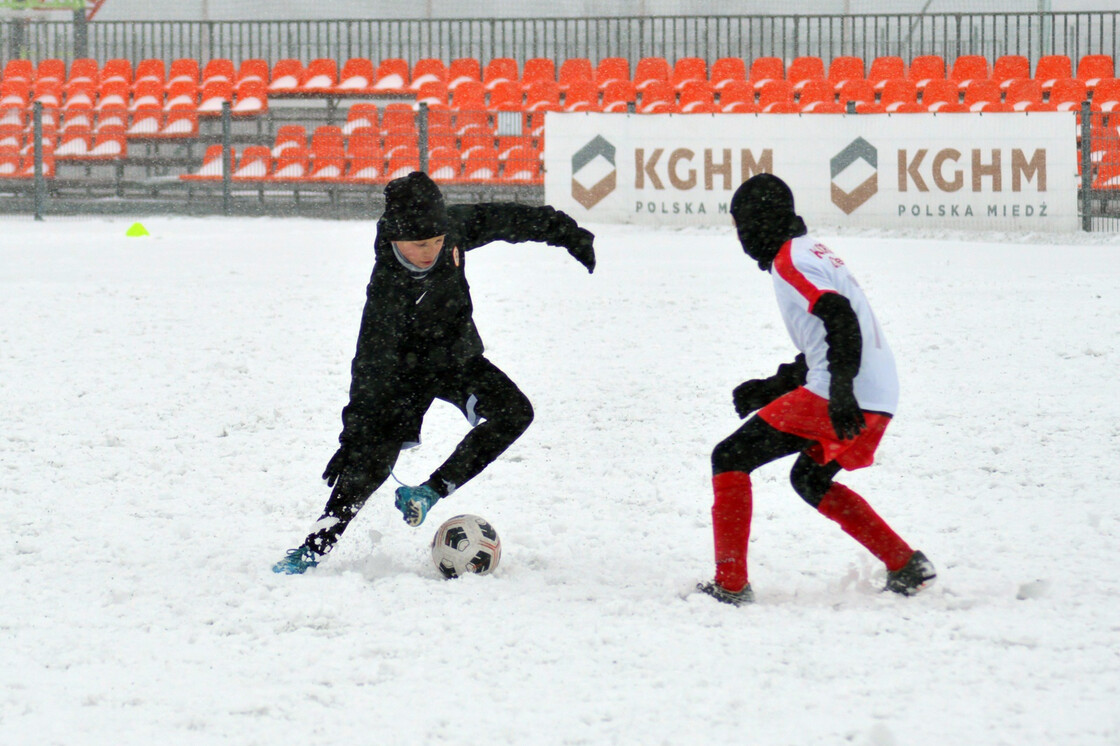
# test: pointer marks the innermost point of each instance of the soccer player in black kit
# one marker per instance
(418, 343)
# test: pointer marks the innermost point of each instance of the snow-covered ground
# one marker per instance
(168, 404)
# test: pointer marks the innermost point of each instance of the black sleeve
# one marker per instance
(790, 375)
(482, 223)
(374, 362)
(841, 333)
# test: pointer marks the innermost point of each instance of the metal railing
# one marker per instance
(710, 37)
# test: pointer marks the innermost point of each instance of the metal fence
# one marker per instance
(710, 37)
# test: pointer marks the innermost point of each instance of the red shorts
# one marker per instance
(803, 413)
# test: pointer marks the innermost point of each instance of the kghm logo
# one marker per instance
(851, 166)
(593, 163)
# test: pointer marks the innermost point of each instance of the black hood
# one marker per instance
(414, 209)
(764, 217)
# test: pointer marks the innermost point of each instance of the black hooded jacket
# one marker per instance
(417, 328)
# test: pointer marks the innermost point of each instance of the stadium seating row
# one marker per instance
(396, 76)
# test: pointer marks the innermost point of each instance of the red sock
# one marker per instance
(731, 527)
(860, 521)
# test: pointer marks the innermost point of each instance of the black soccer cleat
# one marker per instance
(917, 575)
(721, 594)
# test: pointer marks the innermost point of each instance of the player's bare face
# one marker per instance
(421, 253)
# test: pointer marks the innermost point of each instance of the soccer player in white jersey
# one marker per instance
(831, 405)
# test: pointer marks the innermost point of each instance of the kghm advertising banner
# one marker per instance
(1000, 171)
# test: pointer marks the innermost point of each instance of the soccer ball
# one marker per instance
(466, 543)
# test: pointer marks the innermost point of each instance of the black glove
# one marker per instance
(581, 247)
(758, 392)
(751, 395)
(337, 465)
(843, 409)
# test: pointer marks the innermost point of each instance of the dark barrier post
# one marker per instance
(227, 161)
(1086, 156)
(81, 34)
(40, 181)
(423, 143)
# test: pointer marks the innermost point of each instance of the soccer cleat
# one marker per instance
(297, 561)
(719, 593)
(415, 502)
(916, 575)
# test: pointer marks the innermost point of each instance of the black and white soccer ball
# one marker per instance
(466, 544)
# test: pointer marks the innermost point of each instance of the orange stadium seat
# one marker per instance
(1025, 94)
(776, 96)
(108, 146)
(619, 95)
(1093, 68)
(116, 93)
(291, 164)
(1107, 95)
(76, 117)
(49, 93)
(942, 95)
(180, 124)
(1067, 94)
(150, 71)
(255, 163)
(366, 161)
(765, 69)
(428, 70)
(481, 164)
(582, 95)
(19, 70)
(252, 70)
(862, 93)
(463, 70)
(357, 76)
(818, 96)
(286, 77)
(433, 93)
(845, 68)
(727, 69)
(211, 169)
(74, 142)
(182, 70)
(900, 95)
(16, 93)
(523, 164)
(219, 69)
(924, 68)
(9, 161)
(147, 92)
(650, 70)
(537, 68)
(506, 95)
(182, 94)
(469, 94)
(803, 69)
(611, 69)
(146, 122)
(658, 97)
(1051, 68)
(1009, 67)
(84, 71)
(214, 94)
(575, 70)
(737, 96)
(498, 70)
(393, 74)
(327, 163)
(984, 95)
(362, 115)
(697, 97)
(543, 95)
(969, 67)
(444, 164)
(250, 98)
(51, 68)
(888, 67)
(114, 70)
(476, 136)
(321, 76)
(111, 119)
(402, 163)
(289, 136)
(687, 70)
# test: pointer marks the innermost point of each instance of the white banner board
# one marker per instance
(1003, 171)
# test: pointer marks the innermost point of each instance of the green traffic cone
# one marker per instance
(137, 229)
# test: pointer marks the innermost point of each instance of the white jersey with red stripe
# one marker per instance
(803, 271)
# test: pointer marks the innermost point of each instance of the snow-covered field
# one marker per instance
(168, 404)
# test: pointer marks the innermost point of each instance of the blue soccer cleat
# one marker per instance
(297, 561)
(415, 502)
